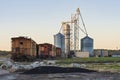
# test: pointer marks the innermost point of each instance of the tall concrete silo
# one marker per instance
(66, 31)
(87, 45)
(59, 41)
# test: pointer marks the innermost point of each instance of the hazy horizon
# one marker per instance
(41, 19)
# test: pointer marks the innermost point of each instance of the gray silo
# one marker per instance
(59, 41)
(87, 45)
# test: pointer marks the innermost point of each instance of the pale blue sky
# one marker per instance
(41, 19)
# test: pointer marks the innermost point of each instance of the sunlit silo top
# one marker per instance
(66, 29)
(87, 45)
(59, 41)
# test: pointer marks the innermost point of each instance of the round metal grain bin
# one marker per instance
(59, 41)
(87, 45)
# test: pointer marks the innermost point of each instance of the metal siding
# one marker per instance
(59, 41)
(87, 45)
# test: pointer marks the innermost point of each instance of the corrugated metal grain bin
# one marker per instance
(59, 41)
(87, 45)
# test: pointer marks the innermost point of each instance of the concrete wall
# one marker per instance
(100, 53)
(116, 55)
(82, 54)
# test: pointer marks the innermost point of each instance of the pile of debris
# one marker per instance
(56, 69)
(41, 67)
(16, 66)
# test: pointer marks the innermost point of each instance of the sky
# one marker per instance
(41, 19)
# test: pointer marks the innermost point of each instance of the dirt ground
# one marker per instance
(63, 76)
